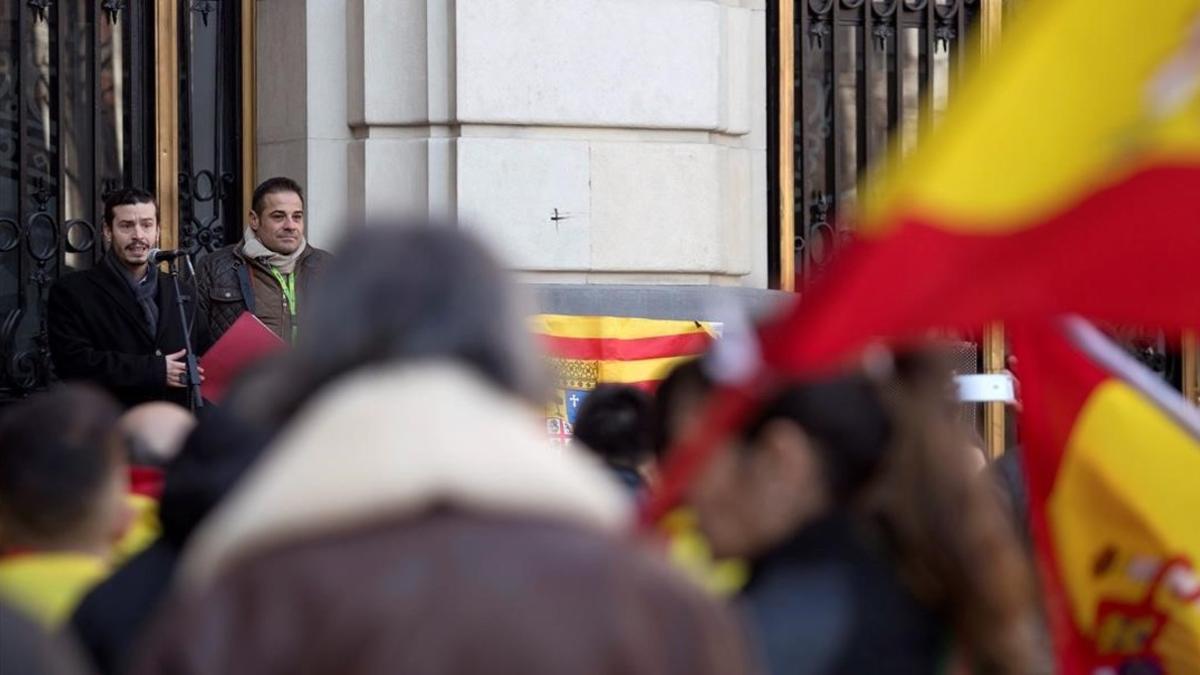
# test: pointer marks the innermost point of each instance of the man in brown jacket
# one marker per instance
(270, 272)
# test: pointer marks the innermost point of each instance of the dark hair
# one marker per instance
(687, 379)
(846, 419)
(948, 530)
(271, 186)
(124, 196)
(615, 422)
(56, 455)
(892, 455)
(402, 292)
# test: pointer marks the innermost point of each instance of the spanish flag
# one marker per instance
(1113, 465)
(1064, 178)
(589, 350)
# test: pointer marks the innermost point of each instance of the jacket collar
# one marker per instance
(117, 288)
(391, 443)
(239, 254)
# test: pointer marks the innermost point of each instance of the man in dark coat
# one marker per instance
(270, 272)
(117, 324)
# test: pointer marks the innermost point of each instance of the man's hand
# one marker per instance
(177, 369)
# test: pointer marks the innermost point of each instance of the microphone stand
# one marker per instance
(192, 377)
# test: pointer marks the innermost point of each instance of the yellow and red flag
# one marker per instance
(591, 350)
(1113, 463)
(1064, 178)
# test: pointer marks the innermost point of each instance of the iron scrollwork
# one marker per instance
(112, 9)
(198, 235)
(41, 9)
(204, 8)
(820, 23)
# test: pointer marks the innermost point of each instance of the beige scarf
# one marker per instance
(254, 249)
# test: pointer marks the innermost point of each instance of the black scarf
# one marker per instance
(145, 290)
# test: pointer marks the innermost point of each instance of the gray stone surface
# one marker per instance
(704, 303)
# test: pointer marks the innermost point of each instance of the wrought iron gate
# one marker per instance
(73, 96)
(866, 73)
(78, 118)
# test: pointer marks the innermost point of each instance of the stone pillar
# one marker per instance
(590, 141)
(301, 106)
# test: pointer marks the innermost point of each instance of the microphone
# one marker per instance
(156, 256)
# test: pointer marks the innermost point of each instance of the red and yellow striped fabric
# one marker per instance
(1062, 179)
(624, 350)
(1113, 462)
(591, 350)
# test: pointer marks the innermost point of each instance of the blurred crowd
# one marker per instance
(381, 498)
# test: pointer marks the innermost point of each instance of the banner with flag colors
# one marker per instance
(590, 350)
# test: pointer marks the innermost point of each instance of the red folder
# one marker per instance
(246, 342)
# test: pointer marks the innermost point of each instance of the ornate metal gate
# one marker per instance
(73, 96)
(865, 73)
(78, 117)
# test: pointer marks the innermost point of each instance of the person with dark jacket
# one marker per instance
(27, 649)
(118, 324)
(111, 618)
(270, 273)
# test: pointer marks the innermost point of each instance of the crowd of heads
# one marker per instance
(394, 549)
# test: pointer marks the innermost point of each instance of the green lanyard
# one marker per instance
(288, 285)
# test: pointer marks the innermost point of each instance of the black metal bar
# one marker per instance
(896, 77)
(865, 66)
(925, 119)
(802, 104)
(59, 31)
(183, 46)
(219, 79)
(233, 200)
(960, 43)
(130, 48)
(94, 23)
(834, 167)
(142, 139)
(25, 78)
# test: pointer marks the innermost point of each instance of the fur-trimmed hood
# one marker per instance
(394, 442)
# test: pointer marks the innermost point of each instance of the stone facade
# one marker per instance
(590, 141)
